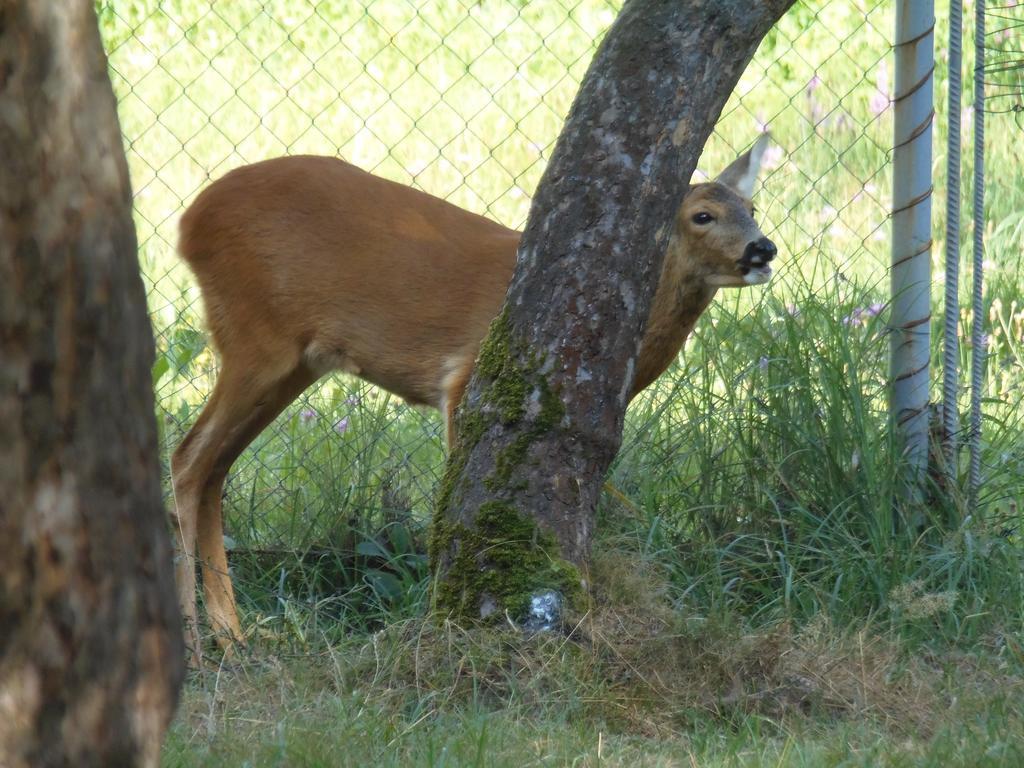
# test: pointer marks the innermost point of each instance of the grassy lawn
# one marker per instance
(753, 604)
(627, 688)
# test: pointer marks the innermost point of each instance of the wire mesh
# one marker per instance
(463, 100)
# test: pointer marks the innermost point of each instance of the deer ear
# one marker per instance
(742, 173)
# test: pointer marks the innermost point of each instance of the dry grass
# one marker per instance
(634, 677)
(634, 661)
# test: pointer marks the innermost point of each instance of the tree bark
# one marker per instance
(91, 652)
(542, 416)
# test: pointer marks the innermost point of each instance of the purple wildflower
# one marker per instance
(861, 315)
(307, 416)
(843, 121)
(879, 101)
(341, 426)
(817, 111)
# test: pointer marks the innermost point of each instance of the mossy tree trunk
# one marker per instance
(542, 417)
(91, 651)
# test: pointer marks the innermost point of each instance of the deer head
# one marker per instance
(716, 237)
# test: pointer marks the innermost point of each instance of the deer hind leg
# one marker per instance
(187, 482)
(236, 412)
(189, 466)
(217, 587)
(453, 387)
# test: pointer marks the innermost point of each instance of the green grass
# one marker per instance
(758, 599)
(637, 684)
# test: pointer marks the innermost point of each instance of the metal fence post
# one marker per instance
(951, 343)
(978, 339)
(911, 231)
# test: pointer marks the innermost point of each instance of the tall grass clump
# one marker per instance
(764, 473)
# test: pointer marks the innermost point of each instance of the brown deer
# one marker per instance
(309, 265)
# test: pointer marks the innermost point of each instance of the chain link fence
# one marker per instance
(463, 100)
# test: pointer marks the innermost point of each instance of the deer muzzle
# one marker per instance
(756, 258)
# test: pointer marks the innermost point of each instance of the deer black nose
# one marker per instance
(759, 252)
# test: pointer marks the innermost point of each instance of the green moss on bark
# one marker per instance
(499, 557)
(470, 429)
(512, 456)
(500, 563)
(505, 462)
(509, 386)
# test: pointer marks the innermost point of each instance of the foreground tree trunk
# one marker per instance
(90, 641)
(542, 417)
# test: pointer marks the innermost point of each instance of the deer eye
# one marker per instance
(703, 218)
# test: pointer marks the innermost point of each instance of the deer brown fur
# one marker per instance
(308, 265)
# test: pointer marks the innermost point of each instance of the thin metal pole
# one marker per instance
(911, 233)
(978, 343)
(951, 342)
